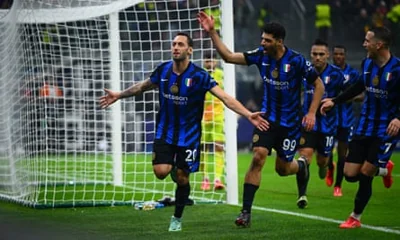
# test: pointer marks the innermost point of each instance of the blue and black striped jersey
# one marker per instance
(382, 97)
(181, 99)
(333, 80)
(282, 84)
(346, 116)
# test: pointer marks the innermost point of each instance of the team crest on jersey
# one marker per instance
(256, 138)
(327, 79)
(275, 73)
(302, 141)
(188, 82)
(174, 89)
(309, 66)
(388, 76)
(375, 81)
(347, 77)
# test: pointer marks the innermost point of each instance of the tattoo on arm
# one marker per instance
(138, 88)
(148, 85)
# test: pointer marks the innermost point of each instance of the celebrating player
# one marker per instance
(321, 137)
(182, 87)
(282, 70)
(345, 121)
(378, 128)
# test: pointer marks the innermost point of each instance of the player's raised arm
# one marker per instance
(134, 90)
(255, 118)
(207, 22)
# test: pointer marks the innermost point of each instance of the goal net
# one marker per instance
(58, 148)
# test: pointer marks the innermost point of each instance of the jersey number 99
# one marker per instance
(289, 145)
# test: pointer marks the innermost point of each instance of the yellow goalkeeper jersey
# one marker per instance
(213, 107)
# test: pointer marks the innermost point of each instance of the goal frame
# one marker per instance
(83, 13)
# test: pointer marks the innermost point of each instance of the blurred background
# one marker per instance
(67, 63)
(346, 25)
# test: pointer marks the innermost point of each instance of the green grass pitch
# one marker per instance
(275, 215)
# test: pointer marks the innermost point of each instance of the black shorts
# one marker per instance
(344, 134)
(376, 151)
(318, 141)
(283, 139)
(185, 158)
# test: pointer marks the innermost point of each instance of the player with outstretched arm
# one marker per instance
(182, 87)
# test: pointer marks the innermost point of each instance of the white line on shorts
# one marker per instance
(381, 229)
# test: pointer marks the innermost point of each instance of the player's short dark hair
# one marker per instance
(189, 39)
(320, 42)
(339, 46)
(383, 34)
(210, 55)
(277, 30)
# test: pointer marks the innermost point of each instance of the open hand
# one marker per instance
(206, 22)
(258, 121)
(109, 98)
(308, 121)
(393, 128)
(327, 105)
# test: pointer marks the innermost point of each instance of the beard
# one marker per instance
(338, 62)
(270, 51)
(371, 55)
(179, 58)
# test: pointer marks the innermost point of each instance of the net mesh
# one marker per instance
(56, 144)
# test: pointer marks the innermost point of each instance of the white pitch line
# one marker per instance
(381, 229)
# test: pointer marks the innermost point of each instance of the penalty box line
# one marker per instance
(324, 219)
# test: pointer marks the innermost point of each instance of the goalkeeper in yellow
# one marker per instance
(213, 137)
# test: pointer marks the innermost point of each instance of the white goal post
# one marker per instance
(57, 147)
